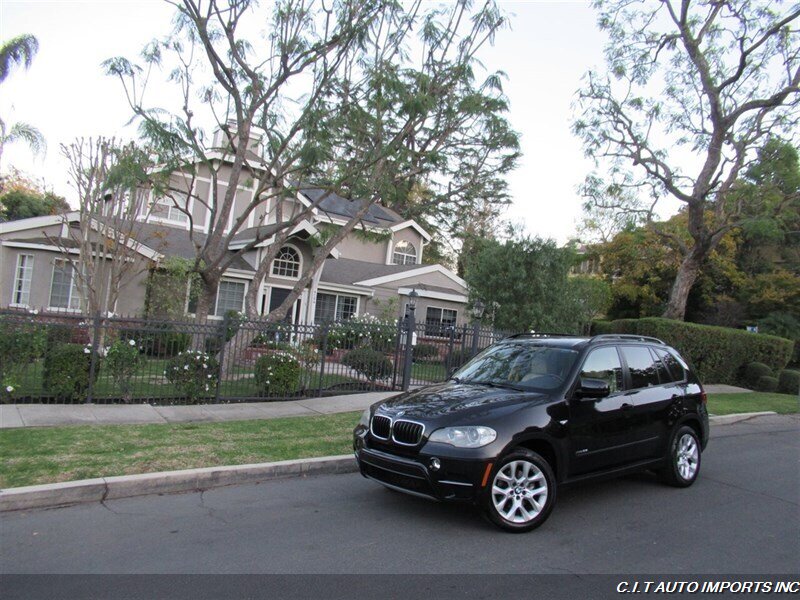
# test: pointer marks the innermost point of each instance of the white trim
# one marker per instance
(33, 246)
(414, 225)
(16, 280)
(389, 247)
(72, 286)
(415, 257)
(238, 274)
(345, 289)
(244, 296)
(342, 222)
(37, 222)
(336, 304)
(441, 308)
(413, 273)
(460, 298)
(299, 265)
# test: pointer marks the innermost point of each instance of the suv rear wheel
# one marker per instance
(522, 492)
(684, 458)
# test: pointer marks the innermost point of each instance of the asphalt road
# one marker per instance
(741, 516)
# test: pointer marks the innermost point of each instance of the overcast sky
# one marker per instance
(548, 49)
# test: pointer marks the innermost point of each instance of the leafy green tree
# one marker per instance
(19, 51)
(526, 277)
(23, 203)
(692, 90)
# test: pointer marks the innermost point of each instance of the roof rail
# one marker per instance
(627, 336)
(536, 334)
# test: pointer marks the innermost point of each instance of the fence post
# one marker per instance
(93, 362)
(322, 352)
(448, 361)
(223, 334)
(411, 326)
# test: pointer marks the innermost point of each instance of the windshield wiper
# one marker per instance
(497, 384)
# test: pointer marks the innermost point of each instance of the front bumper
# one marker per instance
(456, 479)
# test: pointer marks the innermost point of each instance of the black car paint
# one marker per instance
(585, 438)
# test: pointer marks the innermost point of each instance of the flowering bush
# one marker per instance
(21, 342)
(363, 331)
(277, 374)
(194, 373)
(66, 370)
(122, 360)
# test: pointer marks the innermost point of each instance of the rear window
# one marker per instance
(641, 366)
(673, 365)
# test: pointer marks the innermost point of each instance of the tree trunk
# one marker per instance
(684, 280)
(205, 304)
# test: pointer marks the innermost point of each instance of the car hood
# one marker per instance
(463, 400)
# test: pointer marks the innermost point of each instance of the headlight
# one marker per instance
(464, 437)
(364, 420)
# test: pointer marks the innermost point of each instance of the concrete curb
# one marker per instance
(190, 480)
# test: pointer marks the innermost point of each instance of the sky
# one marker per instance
(65, 94)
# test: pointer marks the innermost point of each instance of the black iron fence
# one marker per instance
(70, 358)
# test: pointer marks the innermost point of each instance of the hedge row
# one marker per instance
(718, 354)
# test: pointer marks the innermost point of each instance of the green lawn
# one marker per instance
(30, 456)
(728, 404)
(433, 372)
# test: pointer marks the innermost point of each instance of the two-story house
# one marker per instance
(372, 270)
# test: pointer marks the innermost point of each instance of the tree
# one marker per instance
(109, 178)
(20, 198)
(694, 90)
(526, 277)
(19, 51)
(348, 103)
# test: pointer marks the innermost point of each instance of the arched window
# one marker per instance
(287, 263)
(404, 253)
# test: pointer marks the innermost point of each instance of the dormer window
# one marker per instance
(404, 253)
(166, 209)
(287, 263)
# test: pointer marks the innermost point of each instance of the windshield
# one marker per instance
(519, 366)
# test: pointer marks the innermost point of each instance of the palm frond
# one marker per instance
(23, 132)
(19, 50)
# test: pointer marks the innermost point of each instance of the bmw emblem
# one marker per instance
(401, 413)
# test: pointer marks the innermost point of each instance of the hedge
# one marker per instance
(789, 382)
(718, 354)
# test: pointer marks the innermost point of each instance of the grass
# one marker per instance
(728, 404)
(432, 371)
(31, 456)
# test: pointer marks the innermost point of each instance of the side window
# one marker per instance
(663, 374)
(674, 367)
(604, 364)
(641, 366)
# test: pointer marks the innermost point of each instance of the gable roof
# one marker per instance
(347, 271)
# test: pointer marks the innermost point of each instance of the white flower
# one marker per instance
(87, 350)
(206, 388)
(185, 367)
(205, 366)
(132, 342)
(9, 388)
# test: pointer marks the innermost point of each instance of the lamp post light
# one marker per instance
(411, 325)
(477, 315)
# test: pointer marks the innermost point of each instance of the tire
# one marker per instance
(684, 456)
(522, 492)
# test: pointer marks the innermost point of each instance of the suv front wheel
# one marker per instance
(522, 492)
(684, 458)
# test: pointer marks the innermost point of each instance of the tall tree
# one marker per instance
(21, 198)
(19, 51)
(693, 90)
(353, 98)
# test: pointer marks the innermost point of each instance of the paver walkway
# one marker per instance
(44, 415)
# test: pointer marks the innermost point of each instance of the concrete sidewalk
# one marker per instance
(49, 415)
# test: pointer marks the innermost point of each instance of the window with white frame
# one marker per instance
(334, 307)
(287, 263)
(404, 253)
(171, 208)
(22, 281)
(64, 292)
(230, 296)
(439, 320)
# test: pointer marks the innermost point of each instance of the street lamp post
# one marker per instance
(477, 315)
(411, 325)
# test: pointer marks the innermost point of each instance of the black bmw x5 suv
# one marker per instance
(532, 413)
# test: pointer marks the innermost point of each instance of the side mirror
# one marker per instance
(590, 388)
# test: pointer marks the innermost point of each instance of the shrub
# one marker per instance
(363, 331)
(66, 370)
(161, 341)
(22, 341)
(122, 361)
(789, 381)
(717, 353)
(754, 371)
(423, 352)
(369, 363)
(277, 374)
(766, 383)
(194, 373)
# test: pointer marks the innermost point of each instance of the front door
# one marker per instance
(273, 297)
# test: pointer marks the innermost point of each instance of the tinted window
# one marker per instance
(663, 374)
(604, 364)
(641, 366)
(673, 366)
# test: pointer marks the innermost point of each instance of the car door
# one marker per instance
(651, 393)
(599, 428)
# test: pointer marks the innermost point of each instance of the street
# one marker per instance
(742, 516)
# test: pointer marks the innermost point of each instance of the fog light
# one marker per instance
(435, 464)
